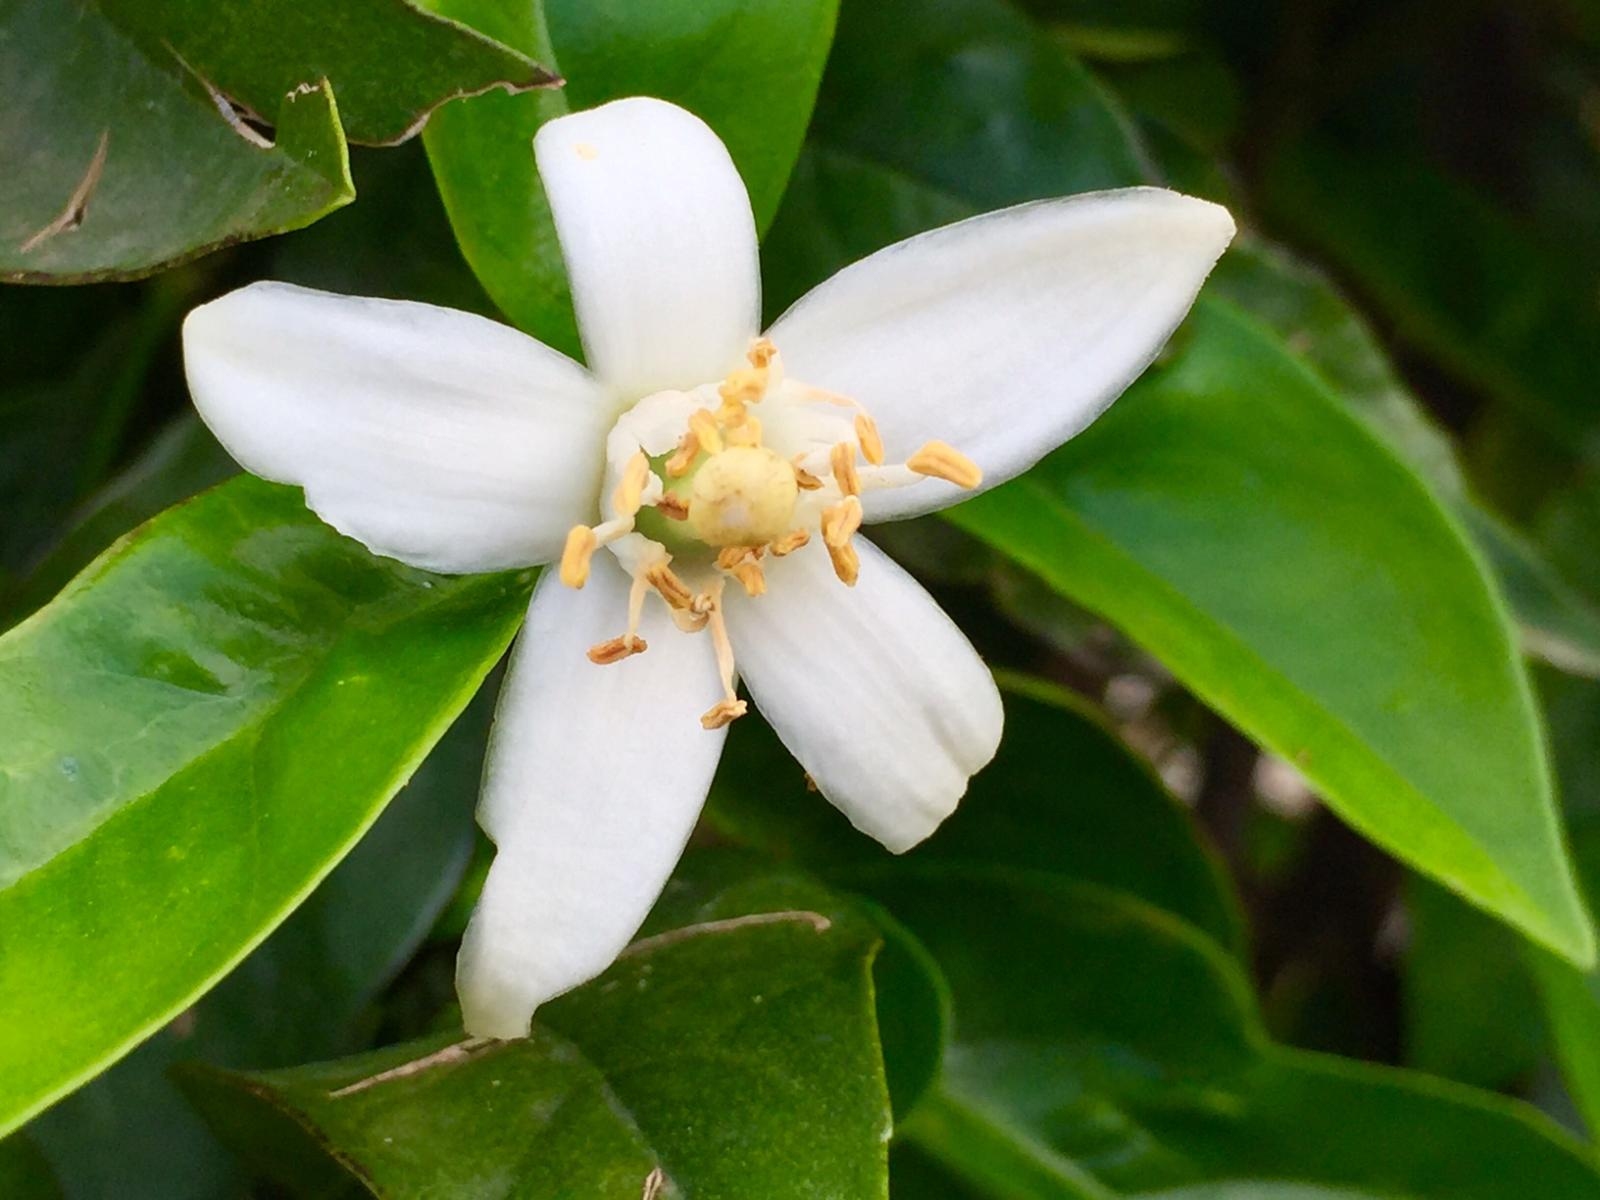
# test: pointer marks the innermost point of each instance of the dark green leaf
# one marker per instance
(758, 103)
(1151, 1071)
(390, 63)
(24, 1174)
(1108, 820)
(118, 163)
(1228, 513)
(198, 729)
(1485, 297)
(739, 1056)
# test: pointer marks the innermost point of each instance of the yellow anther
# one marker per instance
(804, 479)
(946, 462)
(630, 491)
(744, 564)
(704, 427)
(842, 460)
(871, 442)
(840, 522)
(846, 563)
(666, 582)
(745, 386)
(723, 712)
(683, 457)
(789, 542)
(745, 432)
(617, 649)
(673, 507)
(762, 352)
(575, 556)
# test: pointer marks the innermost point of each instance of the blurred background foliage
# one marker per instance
(1419, 185)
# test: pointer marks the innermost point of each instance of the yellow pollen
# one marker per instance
(789, 542)
(678, 465)
(630, 491)
(723, 712)
(871, 442)
(946, 462)
(846, 563)
(762, 352)
(747, 432)
(745, 386)
(804, 479)
(674, 508)
(840, 522)
(617, 649)
(575, 556)
(666, 582)
(842, 458)
(744, 564)
(744, 496)
(704, 427)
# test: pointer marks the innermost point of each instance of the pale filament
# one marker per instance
(740, 505)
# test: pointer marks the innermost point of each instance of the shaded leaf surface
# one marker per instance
(199, 728)
(740, 1058)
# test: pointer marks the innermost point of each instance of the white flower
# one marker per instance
(725, 472)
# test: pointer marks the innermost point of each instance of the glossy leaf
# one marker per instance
(198, 729)
(1151, 1071)
(1107, 819)
(1485, 297)
(738, 1056)
(606, 50)
(390, 62)
(305, 993)
(117, 162)
(1230, 516)
(1559, 623)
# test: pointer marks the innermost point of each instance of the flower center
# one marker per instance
(704, 485)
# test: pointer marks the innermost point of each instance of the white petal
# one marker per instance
(440, 438)
(1006, 334)
(595, 777)
(659, 241)
(877, 693)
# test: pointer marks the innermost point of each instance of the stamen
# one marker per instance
(666, 582)
(673, 507)
(946, 462)
(747, 432)
(630, 491)
(617, 649)
(789, 542)
(871, 441)
(683, 458)
(846, 563)
(747, 385)
(840, 522)
(704, 427)
(743, 563)
(730, 707)
(842, 459)
(806, 481)
(575, 555)
(762, 352)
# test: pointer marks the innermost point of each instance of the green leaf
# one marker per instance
(1559, 623)
(1482, 295)
(1228, 514)
(117, 162)
(1213, 513)
(739, 1056)
(197, 730)
(305, 993)
(1572, 998)
(1471, 1011)
(758, 104)
(1108, 820)
(24, 1173)
(390, 62)
(1151, 1071)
